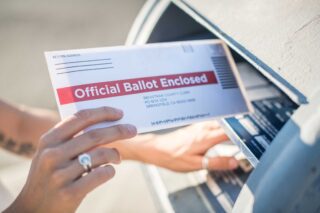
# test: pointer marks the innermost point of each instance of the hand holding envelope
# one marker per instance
(58, 181)
(157, 87)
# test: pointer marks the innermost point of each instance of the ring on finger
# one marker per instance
(85, 161)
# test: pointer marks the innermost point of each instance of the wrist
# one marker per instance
(18, 206)
(126, 150)
(135, 148)
(149, 149)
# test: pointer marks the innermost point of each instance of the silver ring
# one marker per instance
(205, 162)
(85, 160)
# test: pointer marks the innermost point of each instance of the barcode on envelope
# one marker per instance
(224, 73)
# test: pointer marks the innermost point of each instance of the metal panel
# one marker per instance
(282, 37)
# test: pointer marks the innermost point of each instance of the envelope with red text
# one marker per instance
(157, 86)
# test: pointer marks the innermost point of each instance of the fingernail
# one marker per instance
(233, 163)
(131, 129)
(110, 171)
(118, 111)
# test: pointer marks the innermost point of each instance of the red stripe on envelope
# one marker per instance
(109, 89)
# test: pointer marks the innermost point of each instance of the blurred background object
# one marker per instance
(27, 29)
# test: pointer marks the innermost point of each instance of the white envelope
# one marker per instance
(157, 86)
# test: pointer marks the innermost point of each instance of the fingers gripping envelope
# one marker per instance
(157, 86)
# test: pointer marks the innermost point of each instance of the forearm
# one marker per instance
(35, 122)
(21, 127)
